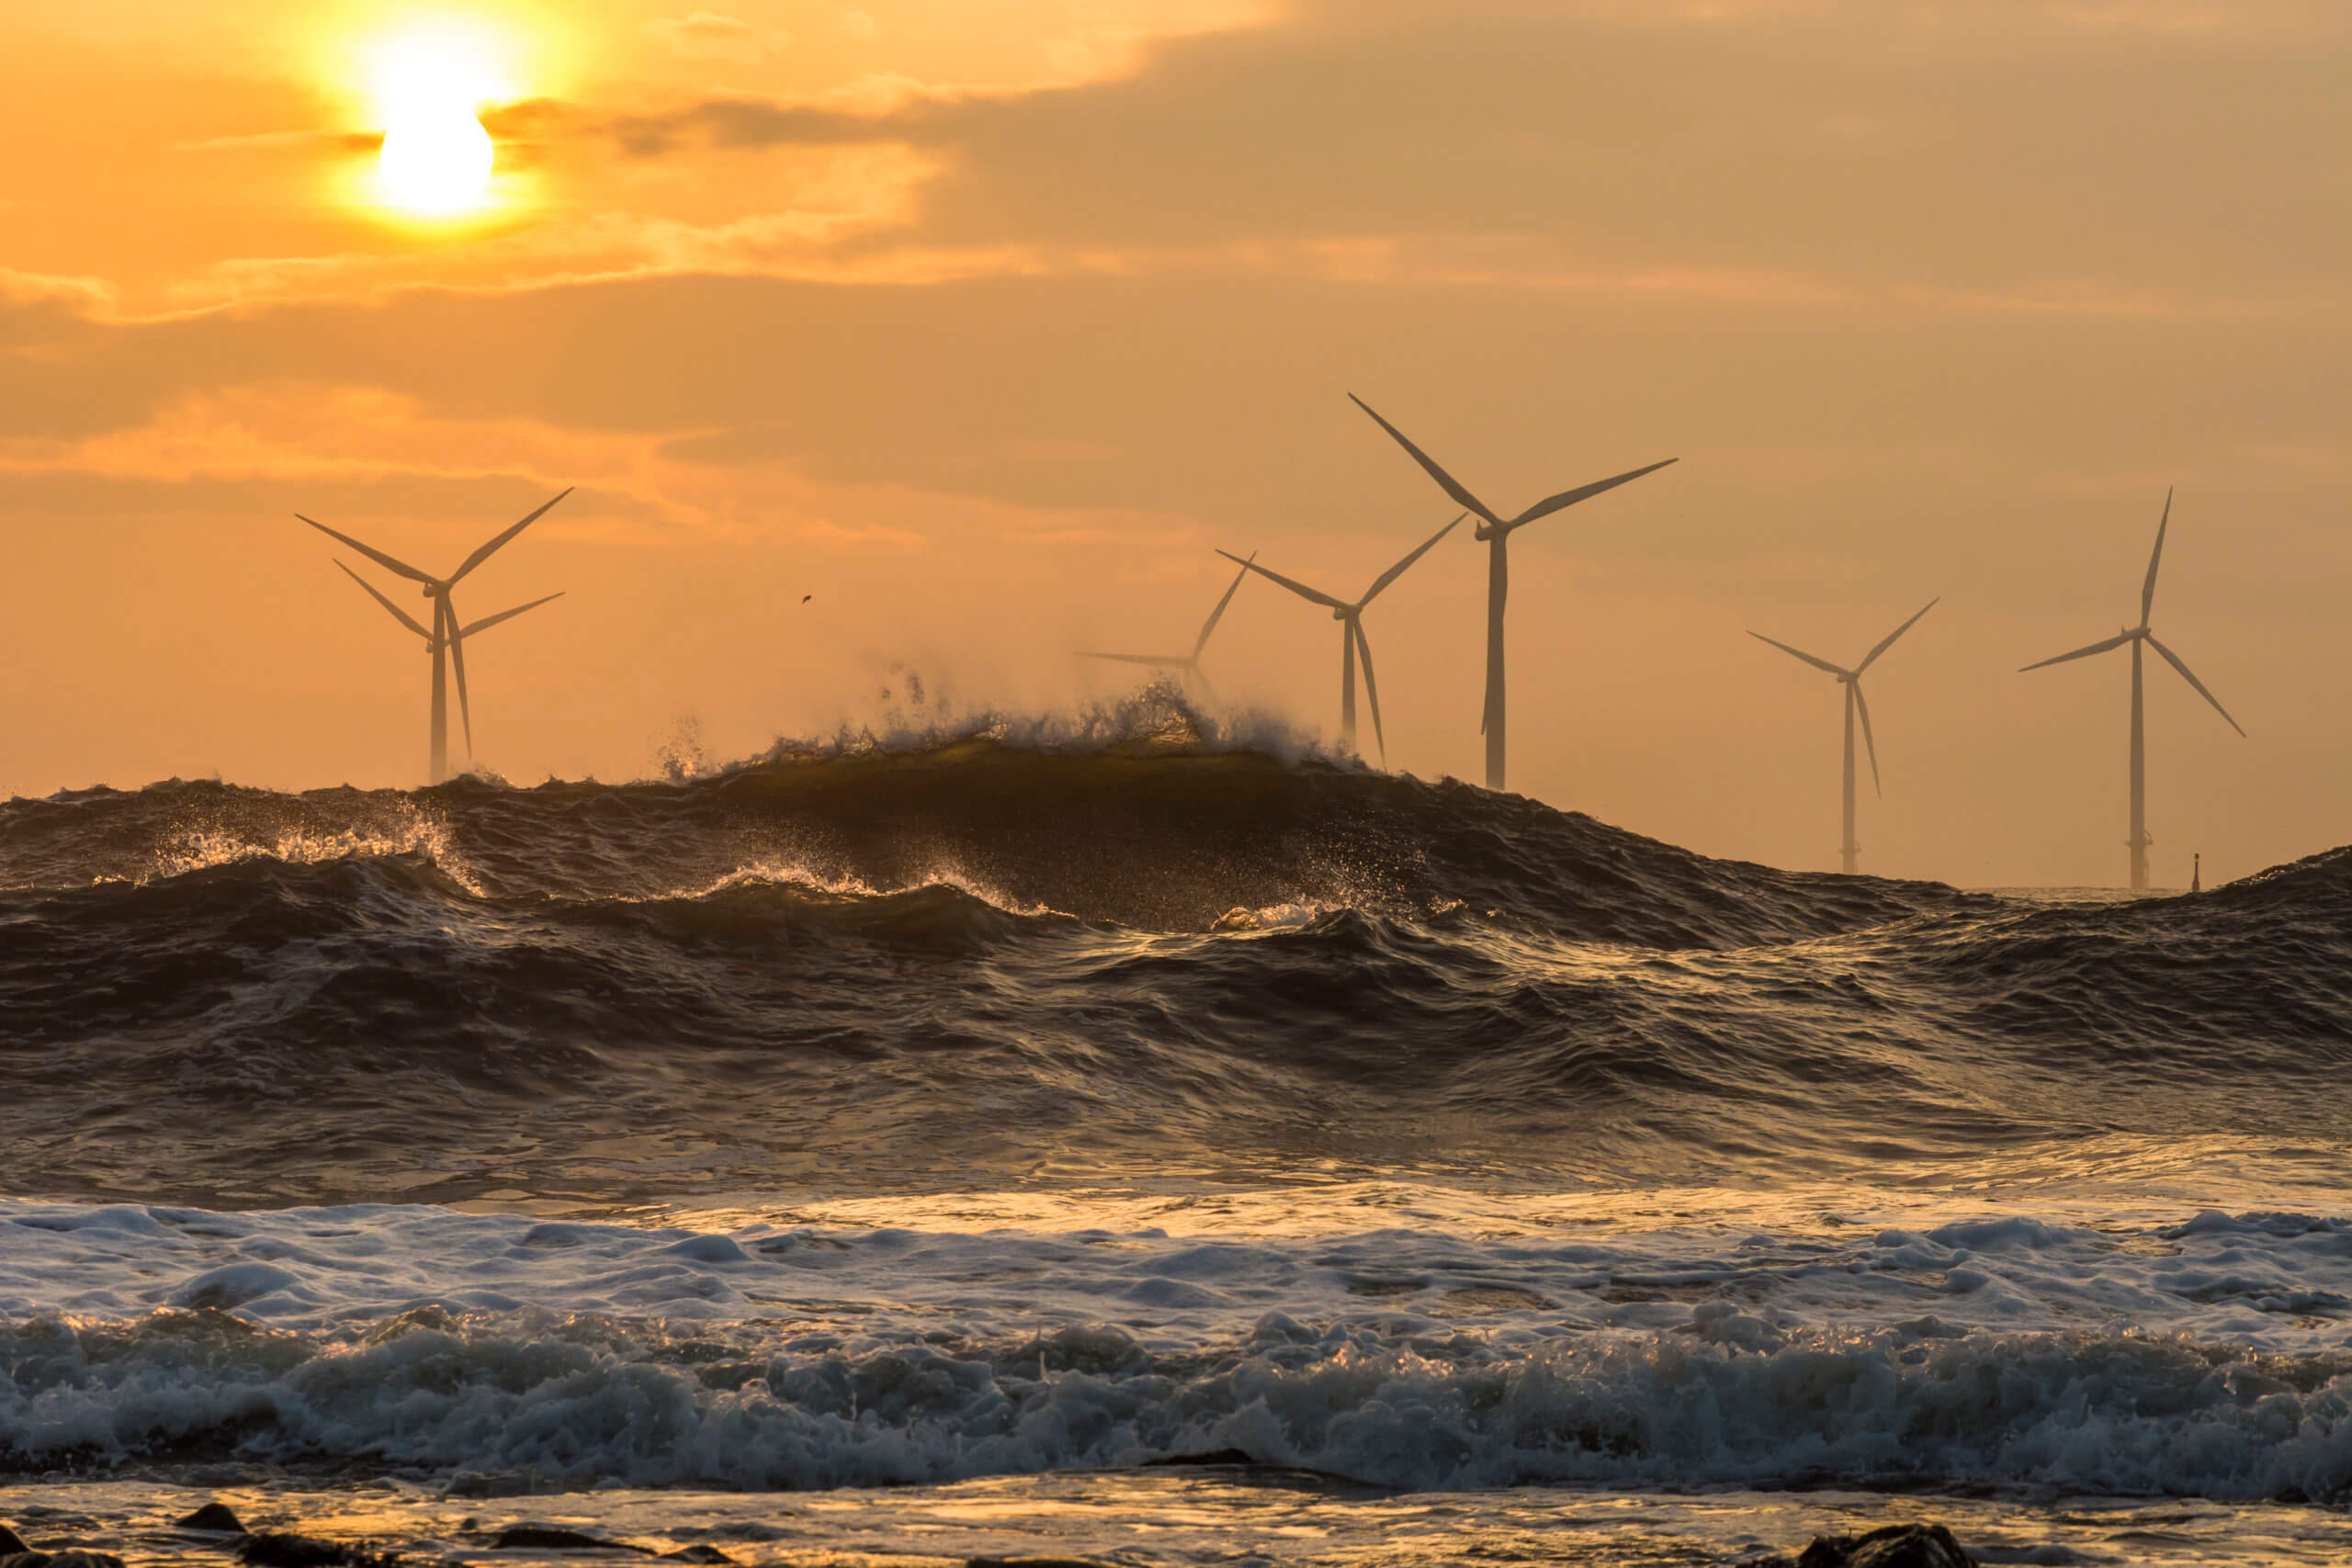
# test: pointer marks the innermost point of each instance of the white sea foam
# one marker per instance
(2211, 1356)
(403, 829)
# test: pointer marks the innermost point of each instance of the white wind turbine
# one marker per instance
(1496, 530)
(1351, 637)
(447, 634)
(1187, 664)
(2135, 636)
(1850, 850)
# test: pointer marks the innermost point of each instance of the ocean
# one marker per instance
(1150, 1143)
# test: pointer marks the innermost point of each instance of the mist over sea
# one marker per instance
(997, 1114)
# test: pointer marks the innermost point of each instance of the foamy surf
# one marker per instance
(2212, 1357)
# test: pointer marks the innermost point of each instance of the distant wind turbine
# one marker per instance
(1187, 664)
(2135, 636)
(1850, 850)
(1496, 530)
(447, 634)
(1351, 637)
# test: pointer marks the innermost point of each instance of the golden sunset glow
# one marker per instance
(429, 87)
(898, 300)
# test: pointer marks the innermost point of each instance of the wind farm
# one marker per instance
(2134, 637)
(444, 640)
(880, 1051)
(1850, 847)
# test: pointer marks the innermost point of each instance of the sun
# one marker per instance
(436, 164)
(429, 89)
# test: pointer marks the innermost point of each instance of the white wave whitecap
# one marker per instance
(2211, 1358)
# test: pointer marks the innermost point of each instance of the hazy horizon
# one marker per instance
(985, 325)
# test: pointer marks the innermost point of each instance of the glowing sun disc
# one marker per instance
(437, 162)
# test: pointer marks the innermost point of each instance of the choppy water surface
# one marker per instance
(955, 1116)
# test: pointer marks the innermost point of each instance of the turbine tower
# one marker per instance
(2139, 841)
(1496, 531)
(1187, 664)
(447, 636)
(1351, 637)
(1850, 849)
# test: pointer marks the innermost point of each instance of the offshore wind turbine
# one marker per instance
(1351, 637)
(2139, 841)
(1187, 664)
(1496, 530)
(447, 635)
(1850, 849)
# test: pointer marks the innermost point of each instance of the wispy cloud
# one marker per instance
(708, 35)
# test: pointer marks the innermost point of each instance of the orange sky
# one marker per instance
(985, 322)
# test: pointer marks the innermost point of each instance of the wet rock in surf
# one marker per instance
(11, 1543)
(1894, 1546)
(217, 1516)
(555, 1537)
(288, 1549)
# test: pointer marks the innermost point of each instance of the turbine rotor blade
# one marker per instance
(1372, 687)
(1300, 589)
(1394, 572)
(490, 549)
(1218, 613)
(1862, 706)
(1888, 641)
(2174, 660)
(410, 622)
(2116, 641)
(398, 568)
(1445, 481)
(489, 621)
(1567, 498)
(457, 662)
(2148, 589)
(1800, 653)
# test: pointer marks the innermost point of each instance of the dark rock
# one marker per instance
(11, 1543)
(71, 1557)
(278, 1550)
(1895, 1546)
(697, 1553)
(214, 1517)
(556, 1538)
